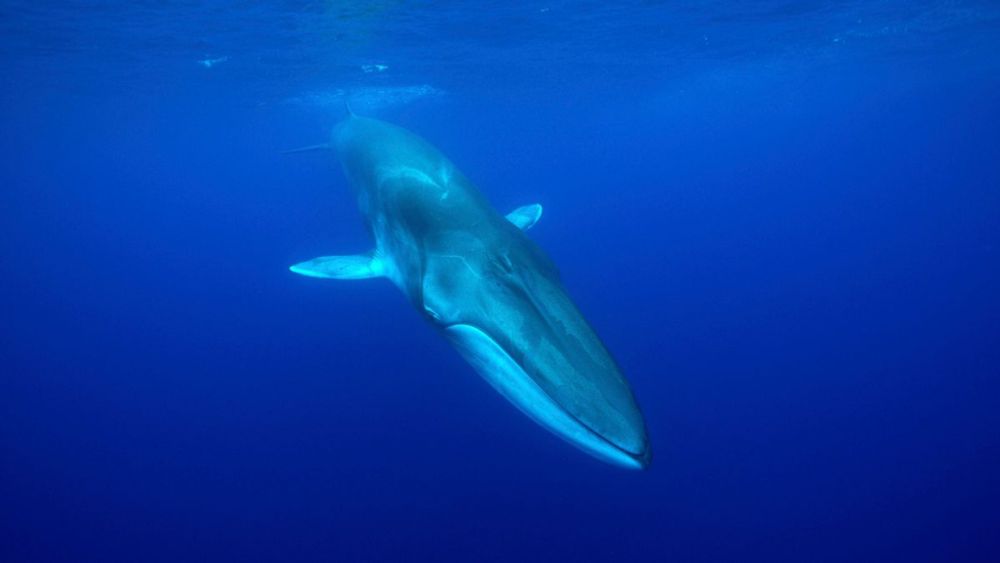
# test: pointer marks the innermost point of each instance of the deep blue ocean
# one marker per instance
(783, 219)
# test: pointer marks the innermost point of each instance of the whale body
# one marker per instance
(490, 290)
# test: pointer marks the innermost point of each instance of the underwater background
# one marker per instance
(781, 217)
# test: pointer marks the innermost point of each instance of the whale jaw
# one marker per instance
(505, 375)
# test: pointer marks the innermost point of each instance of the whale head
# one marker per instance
(506, 312)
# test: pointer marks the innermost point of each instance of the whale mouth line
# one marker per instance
(641, 458)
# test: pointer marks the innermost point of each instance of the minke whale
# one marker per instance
(492, 292)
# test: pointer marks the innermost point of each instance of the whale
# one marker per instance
(477, 277)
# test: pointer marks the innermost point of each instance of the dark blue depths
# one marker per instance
(783, 221)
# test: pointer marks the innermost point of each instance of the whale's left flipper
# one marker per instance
(310, 148)
(355, 267)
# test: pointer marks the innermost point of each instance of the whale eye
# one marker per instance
(503, 264)
(506, 264)
(433, 314)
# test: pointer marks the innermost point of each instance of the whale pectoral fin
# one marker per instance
(526, 216)
(355, 267)
(310, 148)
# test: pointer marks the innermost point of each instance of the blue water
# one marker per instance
(782, 218)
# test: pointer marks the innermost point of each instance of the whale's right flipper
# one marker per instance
(526, 216)
(355, 267)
